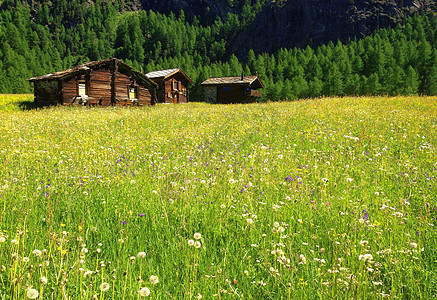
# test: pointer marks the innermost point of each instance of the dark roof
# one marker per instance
(250, 80)
(92, 65)
(167, 73)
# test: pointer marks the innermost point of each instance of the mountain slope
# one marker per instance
(314, 22)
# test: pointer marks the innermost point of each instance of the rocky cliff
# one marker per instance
(284, 23)
(313, 22)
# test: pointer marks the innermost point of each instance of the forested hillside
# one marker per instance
(41, 37)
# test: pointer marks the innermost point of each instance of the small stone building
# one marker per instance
(225, 90)
(108, 82)
(172, 85)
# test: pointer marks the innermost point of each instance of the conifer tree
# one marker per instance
(411, 81)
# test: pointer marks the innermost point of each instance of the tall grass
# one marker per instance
(318, 199)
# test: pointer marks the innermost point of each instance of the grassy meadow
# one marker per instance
(332, 198)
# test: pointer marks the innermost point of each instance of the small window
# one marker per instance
(226, 89)
(175, 85)
(82, 88)
(133, 94)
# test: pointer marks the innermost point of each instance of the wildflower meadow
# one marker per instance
(331, 198)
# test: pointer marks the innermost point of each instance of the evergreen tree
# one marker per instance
(411, 81)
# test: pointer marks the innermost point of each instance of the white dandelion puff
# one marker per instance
(32, 294)
(104, 286)
(364, 243)
(144, 292)
(366, 257)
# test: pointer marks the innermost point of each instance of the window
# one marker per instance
(226, 89)
(82, 88)
(133, 94)
(175, 85)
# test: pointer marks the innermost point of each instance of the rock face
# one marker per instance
(290, 23)
(190, 7)
(314, 22)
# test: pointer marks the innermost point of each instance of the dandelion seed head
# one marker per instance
(104, 286)
(144, 292)
(32, 294)
(364, 243)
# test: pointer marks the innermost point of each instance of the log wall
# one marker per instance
(100, 86)
(69, 90)
(46, 93)
(122, 82)
(105, 87)
(234, 94)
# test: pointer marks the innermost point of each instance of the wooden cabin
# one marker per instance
(242, 89)
(108, 82)
(172, 85)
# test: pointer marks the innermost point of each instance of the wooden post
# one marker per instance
(113, 77)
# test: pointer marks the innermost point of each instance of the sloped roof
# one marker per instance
(166, 73)
(250, 79)
(92, 65)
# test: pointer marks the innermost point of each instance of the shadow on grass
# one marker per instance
(27, 105)
(31, 105)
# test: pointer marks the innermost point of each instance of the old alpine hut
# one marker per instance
(108, 82)
(226, 90)
(172, 85)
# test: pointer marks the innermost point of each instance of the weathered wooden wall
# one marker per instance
(236, 94)
(160, 92)
(100, 86)
(171, 95)
(46, 93)
(69, 90)
(122, 82)
(105, 87)
(144, 96)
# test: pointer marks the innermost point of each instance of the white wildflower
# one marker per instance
(32, 294)
(104, 286)
(144, 292)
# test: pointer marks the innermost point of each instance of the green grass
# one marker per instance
(286, 196)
